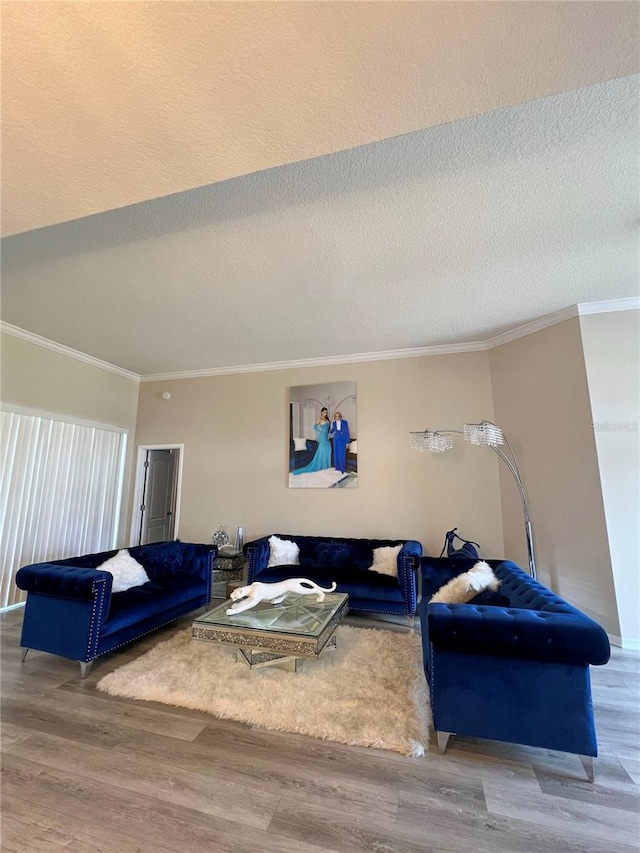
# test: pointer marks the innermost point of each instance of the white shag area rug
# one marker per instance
(369, 691)
(324, 479)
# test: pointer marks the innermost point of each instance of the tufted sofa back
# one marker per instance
(163, 559)
(160, 559)
(536, 624)
(317, 550)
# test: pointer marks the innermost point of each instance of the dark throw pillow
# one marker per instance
(491, 597)
(333, 556)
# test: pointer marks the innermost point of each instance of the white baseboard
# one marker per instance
(626, 643)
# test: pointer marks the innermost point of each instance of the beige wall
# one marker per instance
(235, 432)
(612, 357)
(37, 378)
(542, 402)
(234, 429)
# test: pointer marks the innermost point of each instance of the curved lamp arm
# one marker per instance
(433, 440)
(513, 467)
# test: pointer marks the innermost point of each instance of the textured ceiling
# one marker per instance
(108, 104)
(450, 233)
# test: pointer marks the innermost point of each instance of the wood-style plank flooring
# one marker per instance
(82, 771)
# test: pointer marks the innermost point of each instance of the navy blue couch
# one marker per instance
(325, 559)
(71, 611)
(512, 665)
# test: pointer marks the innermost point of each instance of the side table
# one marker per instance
(226, 569)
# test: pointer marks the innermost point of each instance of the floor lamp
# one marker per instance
(490, 435)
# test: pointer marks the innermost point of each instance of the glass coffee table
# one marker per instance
(276, 634)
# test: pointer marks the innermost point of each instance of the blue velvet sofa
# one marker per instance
(511, 665)
(325, 559)
(71, 611)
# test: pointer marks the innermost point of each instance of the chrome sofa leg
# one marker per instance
(443, 739)
(85, 667)
(587, 763)
(25, 652)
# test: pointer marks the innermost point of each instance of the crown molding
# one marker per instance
(414, 352)
(534, 326)
(631, 303)
(30, 337)
(579, 310)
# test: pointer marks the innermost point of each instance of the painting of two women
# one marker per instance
(322, 436)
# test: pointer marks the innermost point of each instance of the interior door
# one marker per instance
(157, 523)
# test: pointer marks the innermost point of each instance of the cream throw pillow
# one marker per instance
(464, 587)
(283, 552)
(385, 560)
(126, 571)
(353, 446)
(299, 443)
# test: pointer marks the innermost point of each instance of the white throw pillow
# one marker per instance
(385, 560)
(299, 443)
(353, 446)
(126, 571)
(463, 588)
(283, 552)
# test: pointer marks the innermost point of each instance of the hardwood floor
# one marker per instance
(83, 771)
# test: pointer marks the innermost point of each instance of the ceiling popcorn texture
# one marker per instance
(230, 184)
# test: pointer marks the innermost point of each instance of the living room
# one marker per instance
(550, 355)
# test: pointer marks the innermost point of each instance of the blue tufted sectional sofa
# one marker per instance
(511, 665)
(71, 611)
(325, 559)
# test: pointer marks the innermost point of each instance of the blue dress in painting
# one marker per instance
(322, 456)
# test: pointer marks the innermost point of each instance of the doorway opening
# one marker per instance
(156, 507)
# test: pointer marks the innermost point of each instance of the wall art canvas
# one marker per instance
(323, 436)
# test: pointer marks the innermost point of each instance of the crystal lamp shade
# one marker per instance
(490, 435)
(430, 441)
(483, 433)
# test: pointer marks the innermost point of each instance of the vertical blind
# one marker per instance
(60, 492)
